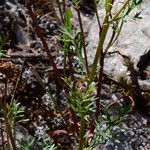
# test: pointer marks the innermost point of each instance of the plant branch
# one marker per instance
(83, 41)
(47, 90)
(6, 116)
(96, 12)
(99, 49)
(81, 134)
(99, 85)
(17, 82)
(119, 11)
(64, 7)
(46, 49)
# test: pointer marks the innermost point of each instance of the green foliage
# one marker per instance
(15, 113)
(15, 116)
(80, 94)
(71, 38)
(66, 37)
(82, 100)
(30, 143)
(110, 119)
(26, 143)
(130, 6)
(67, 19)
(107, 5)
(72, 42)
(76, 4)
(44, 143)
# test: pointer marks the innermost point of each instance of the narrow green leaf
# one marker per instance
(67, 19)
(107, 5)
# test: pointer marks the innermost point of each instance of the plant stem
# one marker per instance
(99, 48)
(46, 49)
(101, 64)
(96, 12)
(40, 35)
(65, 63)
(17, 82)
(83, 41)
(70, 61)
(99, 85)
(81, 134)
(6, 116)
(114, 37)
(47, 90)
(64, 7)
(119, 11)
(8, 129)
(12, 139)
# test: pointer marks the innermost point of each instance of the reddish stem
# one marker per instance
(6, 116)
(64, 7)
(99, 85)
(46, 48)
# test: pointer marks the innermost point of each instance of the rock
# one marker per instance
(21, 132)
(132, 42)
(86, 20)
(11, 24)
(135, 136)
(2, 2)
(87, 6)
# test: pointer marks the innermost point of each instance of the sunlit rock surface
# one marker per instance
(134, 41)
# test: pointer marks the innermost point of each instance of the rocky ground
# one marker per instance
(24, 45)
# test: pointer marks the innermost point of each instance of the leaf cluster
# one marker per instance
(110, 119)
(130, 6)
(70, 37)
(81, 98)
(30, 142)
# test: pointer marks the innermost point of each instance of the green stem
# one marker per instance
(99, 48)
(81, 134)
(114, 37)
(119, 11)
(47, 90)
(97, 16)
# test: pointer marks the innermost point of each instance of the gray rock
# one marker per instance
(21, 132)
(86, 20)
(134, 137)
(133, 42)
(2, 2)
